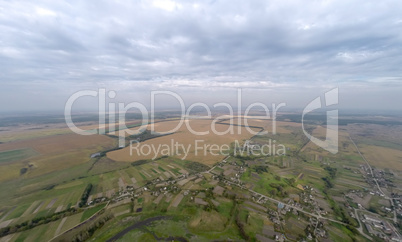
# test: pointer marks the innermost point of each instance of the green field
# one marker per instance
(226, 217)
(91, 211)
(15, 155)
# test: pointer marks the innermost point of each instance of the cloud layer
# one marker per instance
(292, 49)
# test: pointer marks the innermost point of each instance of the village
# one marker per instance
(225, 181)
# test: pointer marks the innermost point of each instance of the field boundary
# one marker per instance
(80, 224)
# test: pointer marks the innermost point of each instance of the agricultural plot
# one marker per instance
(207, 221)
(38, 130)
(40, 233)
(91, 211)
(148, 171)
(49, 154)
(267, 124)
(168, 197)
(59, 143)
(30, 209)
(382, 157)
(46, 190)
(167, 228)
(120, 210)
(59, 226)
(71, 221)
(38, 207)
(176, 201)
(50, 205)
(348, 177)
(388, 136)
(122, 184)
(253, 222)
(16, 212)
(125, 177)
(256, 206)
(66, 199)
(6, 223)
(5, 213)
(183, 137)
(108, 181)
(106, 184)
(336, 234)
(136, 174)
(191, 186)
(295, 227)
(69, 184)
(59, 208)
(158, 199)
(15, 155)
(320, 133)
(268, 230)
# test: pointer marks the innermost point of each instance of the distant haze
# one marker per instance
(276, 51)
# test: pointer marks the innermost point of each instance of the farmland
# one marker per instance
(47, 154)
(383, 157)
(185, 137)
(15, 155)
(201, 197)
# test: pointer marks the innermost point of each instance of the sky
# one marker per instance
(275, 51)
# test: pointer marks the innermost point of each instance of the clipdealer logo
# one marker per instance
(331, 138)
(148, 118)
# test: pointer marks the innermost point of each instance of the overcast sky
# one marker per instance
(276, 51)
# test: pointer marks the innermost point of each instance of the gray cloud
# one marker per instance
(294, 50)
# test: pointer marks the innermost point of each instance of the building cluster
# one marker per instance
(380, 177)
(380, 228)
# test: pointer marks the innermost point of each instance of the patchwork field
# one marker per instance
(185, 137)
(272, 127)
(15, 155)
(382, 157)
(59, 169)
(388, 136)
(34, 131)
(58, 143)
(39, 156)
